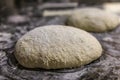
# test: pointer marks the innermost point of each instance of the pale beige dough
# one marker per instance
(93, 19)
(57, 46)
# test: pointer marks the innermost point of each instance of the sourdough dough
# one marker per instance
(93, 19)
(57, 46)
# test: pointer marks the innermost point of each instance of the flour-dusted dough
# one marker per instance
(57, 46)
(93, 19)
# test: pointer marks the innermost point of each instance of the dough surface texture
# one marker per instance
(57, 46)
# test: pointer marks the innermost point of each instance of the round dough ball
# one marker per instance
(57, 46)
(93, 19)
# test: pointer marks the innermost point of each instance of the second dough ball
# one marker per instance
(93, 20)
